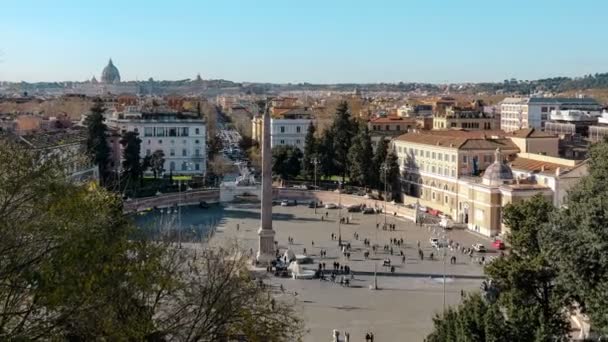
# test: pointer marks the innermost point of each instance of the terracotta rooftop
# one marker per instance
(531, 133)
(469, 140)
(539, 166)
(392, 119)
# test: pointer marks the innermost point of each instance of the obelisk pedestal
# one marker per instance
(266, 248)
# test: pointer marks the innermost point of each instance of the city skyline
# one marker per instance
(344, 42)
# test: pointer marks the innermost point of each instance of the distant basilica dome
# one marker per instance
(110, 74)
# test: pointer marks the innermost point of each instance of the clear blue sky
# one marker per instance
(305, 40)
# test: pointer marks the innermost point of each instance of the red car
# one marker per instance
(498, 244)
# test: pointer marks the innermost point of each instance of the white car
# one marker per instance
(479, 247)
(434, 242)
(331, 206)
(284, 203)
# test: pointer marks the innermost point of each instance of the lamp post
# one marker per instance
(384, 168)
(315, 161)
(339, 214)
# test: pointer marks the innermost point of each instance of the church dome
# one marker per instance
(498, 173)
(110, 74)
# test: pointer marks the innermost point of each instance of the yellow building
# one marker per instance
(470, 175)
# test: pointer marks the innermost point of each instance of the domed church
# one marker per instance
(110, 74)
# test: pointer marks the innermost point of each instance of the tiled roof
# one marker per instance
(393, 119)
(531, 133)
(531, 165)
(469, 140)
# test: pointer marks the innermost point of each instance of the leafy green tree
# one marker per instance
(131, 164)
(342, 129)
(98, 149)
(73, 267)
(310, 152)
(286, 161)
(578, 240)
(359, 156)
(474, 320)
(525, 278)
(157, 162)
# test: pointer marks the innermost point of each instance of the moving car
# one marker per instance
(498, 244)
(331, 206)
(313, 204)
(287, 203)
(479, 247)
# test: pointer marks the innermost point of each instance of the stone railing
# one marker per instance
(182, 198)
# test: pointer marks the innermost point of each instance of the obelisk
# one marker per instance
(266, 251)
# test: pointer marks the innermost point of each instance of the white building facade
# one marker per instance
(532, 112)
(290, 132)
(182, 138)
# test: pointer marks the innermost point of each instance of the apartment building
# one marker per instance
(181, 137)
(289, 128)
(533, 112)
(389, 127)
(465, 118)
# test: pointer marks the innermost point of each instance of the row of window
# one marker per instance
(427, 154)
(172, 141)
(387, 127)
(185, 166)
(298, 129)
(282, 142)
(197, 152)
(169, 131)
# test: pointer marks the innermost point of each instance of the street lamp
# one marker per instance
(384, 168)
(339, 214)
(315, 161)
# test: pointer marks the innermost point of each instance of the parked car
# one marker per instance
(434, 242)
(479, 248)
(498, 244)
(368, 210)
(313, 204)
(331, 206)
(422, 209)
(355, 208)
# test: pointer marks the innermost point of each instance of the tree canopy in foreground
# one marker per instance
(74, 267)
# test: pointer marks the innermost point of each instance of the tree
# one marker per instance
(74, 267)
(392, 175)
(525, 278)
(578, 240)
(359, 156)
(215, 146)
(310, 152)
(342, 129)
(474, 320)
(286, 161)
(378, 160)
(131, 163)
(97, 146)
(327, 154)
(157, 162)
(219, 167)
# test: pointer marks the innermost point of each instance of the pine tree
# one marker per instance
(359, 156)
(98, 149)
(342, 129)
(378, 160)
(131, 164)
(310, 152)
(392, 175)
(327, 154)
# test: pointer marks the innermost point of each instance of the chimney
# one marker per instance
(558, 171)
(542, 168)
